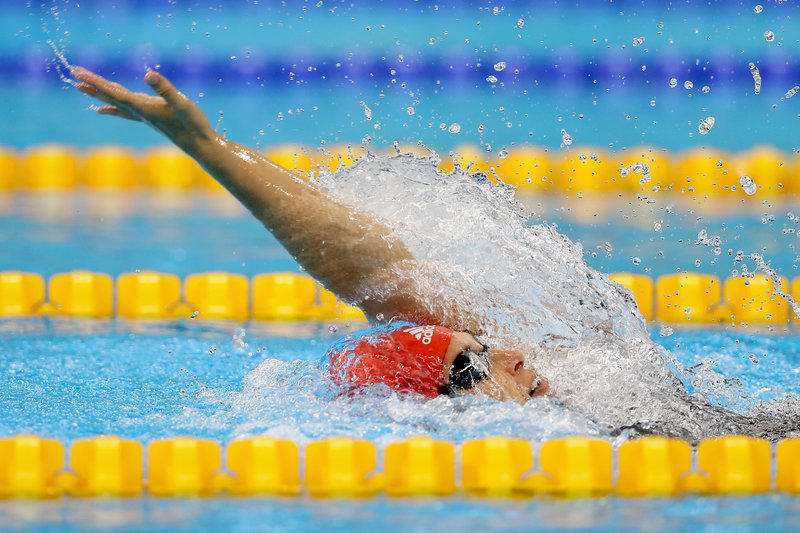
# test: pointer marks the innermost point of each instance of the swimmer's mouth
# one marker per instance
(539, 387)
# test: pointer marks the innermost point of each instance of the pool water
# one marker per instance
(735, 515)
(124, 232)
(299, 73)
(307, 73)
(73, 378)
(70, 378)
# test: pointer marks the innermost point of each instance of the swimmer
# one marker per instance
(422, 348)
(418, 345)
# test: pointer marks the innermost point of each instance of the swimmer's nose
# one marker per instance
(512, 361)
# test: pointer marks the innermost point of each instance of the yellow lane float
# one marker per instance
(20, 293)
(110, 167)
(50, 167)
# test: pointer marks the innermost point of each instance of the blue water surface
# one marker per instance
(303, 72)
(72, 378)
(706, 515)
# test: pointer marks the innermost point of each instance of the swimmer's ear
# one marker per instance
(164, 89)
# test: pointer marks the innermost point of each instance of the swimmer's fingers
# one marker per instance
(102, 89)
(113, 107)
(92, 91)
(117, 112)
(161, 86)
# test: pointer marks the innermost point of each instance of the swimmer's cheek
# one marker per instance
(508, 392)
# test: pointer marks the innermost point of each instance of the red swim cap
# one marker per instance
(407, 359)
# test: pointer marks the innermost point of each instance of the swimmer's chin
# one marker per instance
(538, 387)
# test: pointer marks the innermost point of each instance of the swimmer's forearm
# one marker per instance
(250, 177)
(340, 246)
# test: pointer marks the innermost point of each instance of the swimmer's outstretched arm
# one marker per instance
(343, 248)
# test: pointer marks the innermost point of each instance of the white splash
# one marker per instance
(527, 285)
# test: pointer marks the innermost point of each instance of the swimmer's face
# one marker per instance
(507, 379)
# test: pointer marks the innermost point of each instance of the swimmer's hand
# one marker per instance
(171, 112)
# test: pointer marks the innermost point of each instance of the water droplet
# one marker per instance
(756, 78)
(705, 125)
(637, 41)
(239, 337)
(665, 331)
(566, 138)
(500, 66)
(503, 153)
(333, 329)
(410, 110)
(748, 185)
(660, 23)
(432, 41)
(520, 23)
(491, 79)
(673, 82)
(753, 358)
(455, 127)
(758, 9)
(657, 226)
(769, 36)
(791, 92)
(367, 110)
(706, 89)
(194, 315)
(212, 349)
(653, 102)
(688, 85)
(379, 317)
(636, 261)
